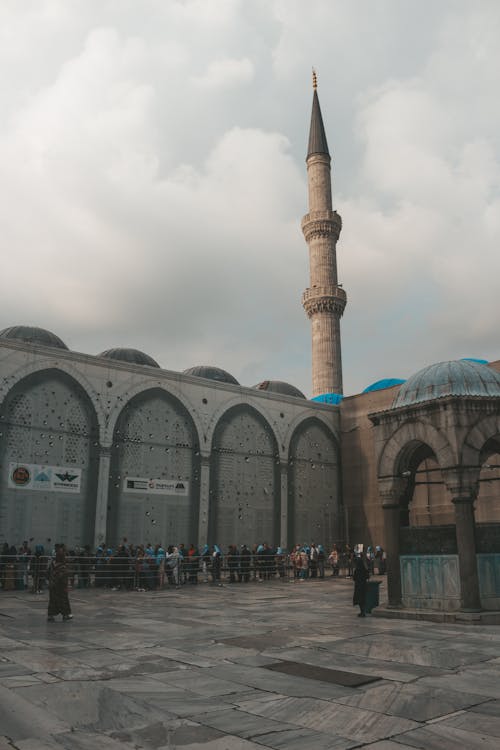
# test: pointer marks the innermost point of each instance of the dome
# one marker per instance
(456, 378)
(328, 398)
(132, 356)
(379, 385)
(211, 373)
(279, 386)
(33, 335)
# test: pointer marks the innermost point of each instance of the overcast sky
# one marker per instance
(153, 179)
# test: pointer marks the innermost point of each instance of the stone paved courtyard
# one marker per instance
(189, 669)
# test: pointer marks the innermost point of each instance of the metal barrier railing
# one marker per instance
(146, 573)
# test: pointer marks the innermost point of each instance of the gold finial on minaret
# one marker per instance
(315, 80)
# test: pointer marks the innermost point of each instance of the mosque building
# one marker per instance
(94, 448)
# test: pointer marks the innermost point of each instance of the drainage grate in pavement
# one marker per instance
(323, 674)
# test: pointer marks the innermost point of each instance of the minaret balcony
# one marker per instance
(317, 299)
(321, 224)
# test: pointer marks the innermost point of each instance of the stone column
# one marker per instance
(284, 505)
(204, 500)
(392, 525)
(466, 547)
(101, 508)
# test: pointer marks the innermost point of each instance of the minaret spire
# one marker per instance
(324, 301)
(317, 135)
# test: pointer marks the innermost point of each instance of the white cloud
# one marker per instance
(153, 178)
(225, 74)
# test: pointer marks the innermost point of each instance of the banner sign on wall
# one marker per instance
(46, 478)
(156, 486)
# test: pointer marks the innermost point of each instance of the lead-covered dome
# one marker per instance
(455, 378)
(132, 356)
(279, 386)
(211, 373)
(33, 335)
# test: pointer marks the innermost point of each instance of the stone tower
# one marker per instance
(324, 301)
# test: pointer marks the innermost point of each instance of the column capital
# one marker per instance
(392, 491)
(464, 499)
(462, 482)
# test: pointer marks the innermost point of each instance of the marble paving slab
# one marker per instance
(352, 723)
(375, 667)
(307, 739)
(489, 708)
(413, 701)
(172, 734)
(245, 725)
(476, 722)
(88, 706)
(278, 683)
(443, 737)
(466, 681)
(408, 651)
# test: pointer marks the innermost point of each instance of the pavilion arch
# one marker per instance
(124, 398)
(484, 432)
(245, 488)
(154, 481)
(314, 489)
(397, 450)
(49, 427)
(482, 449)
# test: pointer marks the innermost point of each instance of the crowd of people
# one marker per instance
(147, 567)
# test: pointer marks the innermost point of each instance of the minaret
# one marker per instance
(324, 301)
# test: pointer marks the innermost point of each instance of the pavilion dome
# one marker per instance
(279, 386)
(33, 335)
(211, 373)
(456, 378)
(132, 356)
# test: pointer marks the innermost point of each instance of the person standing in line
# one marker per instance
(321, 561)
(360, 577)
(38, 566)
(58, 587)
(313, 561)
(334, 560)
(216, 564)
(245, 564)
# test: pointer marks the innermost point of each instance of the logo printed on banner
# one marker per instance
(66, 477)
(21, 476)
(156, 486)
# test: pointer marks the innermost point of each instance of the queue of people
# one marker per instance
(145, 567)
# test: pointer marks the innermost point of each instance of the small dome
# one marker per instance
(379, 385)
(328, 398)
(211, 373)
(132, 356)
(33, 335)
(279, 386)
(456, 378)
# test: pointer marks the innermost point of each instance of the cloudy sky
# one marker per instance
(153, 180)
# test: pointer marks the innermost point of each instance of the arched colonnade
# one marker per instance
(152, 464)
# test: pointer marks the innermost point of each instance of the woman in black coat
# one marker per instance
(360, 577)
(58, 588)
